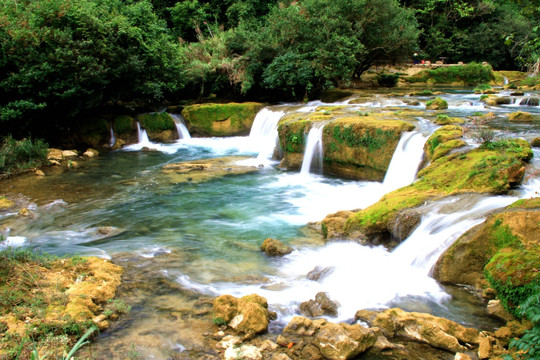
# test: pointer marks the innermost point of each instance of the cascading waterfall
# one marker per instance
(405, 161)
(313, 152)
(263, 134)
(142, 135)
(112, 140)
(183, 132)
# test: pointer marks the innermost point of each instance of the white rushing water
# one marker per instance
(264, 134)
(183, 132)
(112, 139)
(313, 152)
(405, 161)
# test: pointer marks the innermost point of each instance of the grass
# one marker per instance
(470, 74)
(19, 155)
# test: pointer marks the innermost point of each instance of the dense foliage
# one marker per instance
(19, 155)
(63, 58)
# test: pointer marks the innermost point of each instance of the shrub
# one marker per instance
(528, 346)
(19, 155)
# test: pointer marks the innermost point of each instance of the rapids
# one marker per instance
(185, 242)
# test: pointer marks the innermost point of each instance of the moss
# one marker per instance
(532, 203)
(292, 136)
(221, 119)
(447, 120)
(447, 136)
(123, 124)
(469, 74)
(157, 121)
(437, 104)
(520, 116)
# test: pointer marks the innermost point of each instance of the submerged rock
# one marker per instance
(5, 203)
(273, 247)
(248, 315)
(206, 169)
(321, 306)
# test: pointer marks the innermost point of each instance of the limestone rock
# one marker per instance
(462, 356)
(403, 223)
(39, 173)
(273, 247)
(69, 153)
(536, 142)
(520, 116)
(54, 162)
(322, 305)
(437, 104)
(25, 212)
(55, 154)
(530, 101)
(333, 341)
(119, 143)
(495, 308)
(91, 153)
(5, 203)
(245, 352)
(493, 100)
(248, 315)
(437, 332)
(72, 164)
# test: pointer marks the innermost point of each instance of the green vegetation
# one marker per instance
(372, 139)
(157, 121)
(437, 104)
(387, 80)
(219, 321)
(470, 74)
(20, 155)
(528, 346)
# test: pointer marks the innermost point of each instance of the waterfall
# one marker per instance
(112, 140)
(183, 132)
(263, 134)
(404, 164)
(142, 135)
(313, 151)
(438, 230)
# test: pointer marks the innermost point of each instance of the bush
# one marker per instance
(19, 155)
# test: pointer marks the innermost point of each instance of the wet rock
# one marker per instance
(321, 306)
(280, 357)
(443, 141)
(313, 339)
(273, 247)
(71, 164)
(530, 101)
(520, 116)
(403, 223)
(119, 143)
(39, 173)
(319, 273)
(437, 332)
(517, 93)
(246, 352)
(91, 153)
(55, 154)
(496, 309)
(25, 212)
(493, 100)
(536, 142)
(248, 315)
(437, 104)
(6, 204)
(69, 153)
(54, 162)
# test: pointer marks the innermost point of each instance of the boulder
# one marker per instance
(426, 328)
(494, 100)
(321, 306)
(466, 260)
(39, 173)
(69, 153)
(536, 142)
(91, 153)
(125, 129)
(403, 223)
(437, 104)
(5, 203)
(316, 339)
(496, 309)
(273, 247)
(248, 315)
(319, 273)
(232, 119)
(520, 116)
(530, 101)
(160, 127)
(55, 154)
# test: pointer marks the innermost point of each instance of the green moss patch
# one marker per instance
(123, 124)
(442, 141)
(447, 120)
(221, 119)
(157, 121)
(469, 74)
(437, 104)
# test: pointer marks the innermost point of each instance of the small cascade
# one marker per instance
(263, 134)
(112, 139)
(183, 132)
(530, 101)
(405, 161)
(142, 135)
(313, 151)
(438, 230)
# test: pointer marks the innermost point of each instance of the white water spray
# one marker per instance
(405, 161)
(142, 135)
(313, 152)
(112, 140)
(264, 134)
(183, 132)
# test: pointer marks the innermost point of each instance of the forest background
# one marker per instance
(63, 58)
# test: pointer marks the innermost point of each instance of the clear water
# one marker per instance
(184, 242)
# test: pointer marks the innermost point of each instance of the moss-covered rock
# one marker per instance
(125, 129)
(520, 116)
(447, 120)
(356, 146)
(502, 252)
(493, 168)
(535, 142)
(220, 119)
(442, 141)
(160, 127)
(5, 203)
(437, 104)
(494, 100)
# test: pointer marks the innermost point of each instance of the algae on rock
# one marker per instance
(231, 119)
(159, 126)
